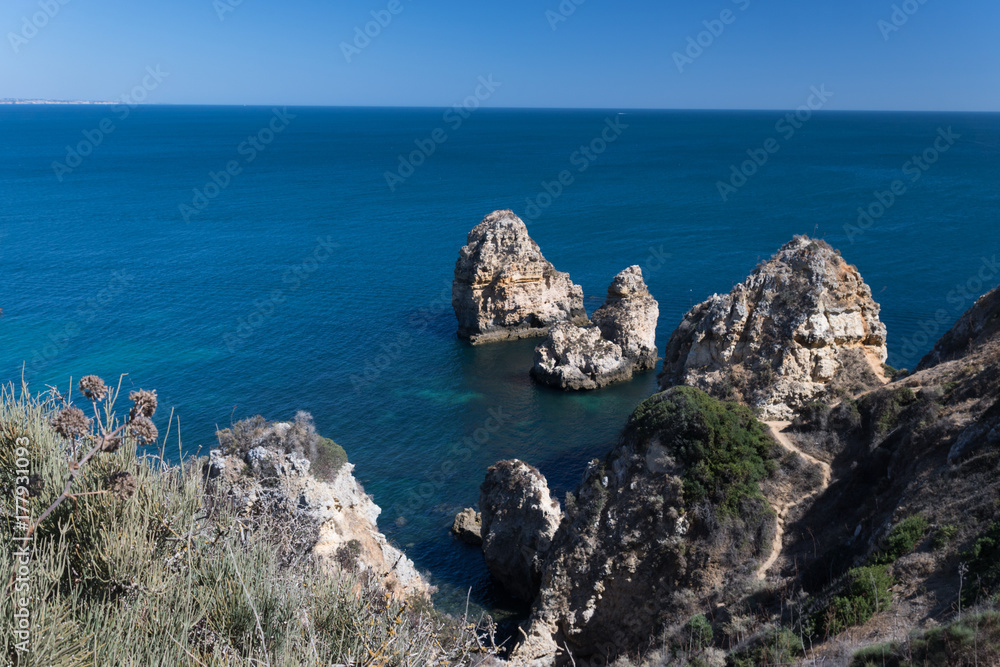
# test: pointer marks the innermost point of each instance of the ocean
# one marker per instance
(252, 260)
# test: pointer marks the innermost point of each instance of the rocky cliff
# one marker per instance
(673, 512)
(261, 467)
(504, 288)
(519, 519)
(802, 327)
(620, 341)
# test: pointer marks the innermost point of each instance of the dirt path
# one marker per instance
(777, 430)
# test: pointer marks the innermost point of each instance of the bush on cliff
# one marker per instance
(138, 566)
(724, 452)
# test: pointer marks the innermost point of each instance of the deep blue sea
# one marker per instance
(242, 261)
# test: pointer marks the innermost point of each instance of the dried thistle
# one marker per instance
(111, 444)
(93, 388)
(143, 430)
(143, 404)
(71, 423)
(122, 485)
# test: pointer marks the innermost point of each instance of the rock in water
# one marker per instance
(575, 358)
(519, 519)
(802, 326)
(468, 527)
(628, 318)
(621, 340)
(504, 288)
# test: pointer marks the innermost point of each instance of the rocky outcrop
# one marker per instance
(803, 326)
(262, 469)
(621, 340)
(650, 530)
(628, 318)
(977, 328)
(573, 357)
(504, 288)
(468, 527)
(519, 519)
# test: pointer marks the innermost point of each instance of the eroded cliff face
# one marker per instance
(519, 519)
(620, 341)
(265, 470)
(645, 533)
(505, 289)
(803, 326)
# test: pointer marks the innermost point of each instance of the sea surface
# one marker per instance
(247, 261)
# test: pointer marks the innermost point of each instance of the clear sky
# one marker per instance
(946, 55)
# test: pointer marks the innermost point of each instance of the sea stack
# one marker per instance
(802, 327)
(620, 341)
(505, 289)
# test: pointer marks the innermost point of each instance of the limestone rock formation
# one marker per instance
(262, 469)
(642, 538)
(802, 326)
(628, 318)
(519, 518)
(573, 357)
(621, 340)
(468, 527)
(504, 288)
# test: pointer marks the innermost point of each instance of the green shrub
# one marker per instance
(943, 536)
(698, 633)
(724, 450)
(975, 640)
(902, 539)
(879, 655)
(326, 458)
(983, 560)
(777, 647)
(865, 592)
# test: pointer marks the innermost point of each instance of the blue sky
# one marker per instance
(604, 54)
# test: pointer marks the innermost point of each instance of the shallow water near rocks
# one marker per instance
(306, 283)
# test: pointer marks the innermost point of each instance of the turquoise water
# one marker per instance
(307, 283)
